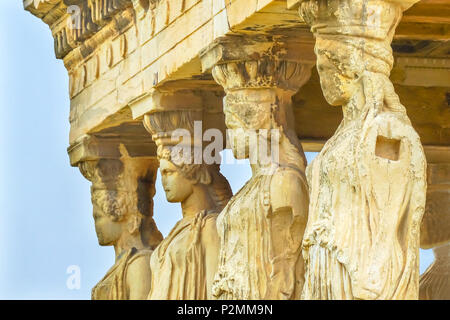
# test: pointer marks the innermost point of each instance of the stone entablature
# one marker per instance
(136, 46)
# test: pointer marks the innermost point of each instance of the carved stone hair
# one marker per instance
(373, 71)
(161, 125)
(346, 36)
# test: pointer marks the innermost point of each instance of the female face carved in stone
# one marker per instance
(114, 196)
(337, 66)
(237, 136)
(243, 118)
(109, 215)
(177, 187)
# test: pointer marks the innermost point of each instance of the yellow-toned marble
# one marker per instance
(184, 264)
(367, 185)
(158, 61)
(435, 282)
(122, 192)
(262, 226)
(435, 228)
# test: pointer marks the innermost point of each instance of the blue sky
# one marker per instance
(46, 222)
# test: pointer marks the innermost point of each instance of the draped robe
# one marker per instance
(178, 265)
(362, 236)
(113, 286)
(249, 266)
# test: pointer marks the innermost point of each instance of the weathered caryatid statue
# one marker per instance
(122, 198)
(184, 264)
(262, 226)
(367, 185)
(435, 228)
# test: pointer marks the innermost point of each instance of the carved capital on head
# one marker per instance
(266, 72)
(107, 144)
(259, 62)
(365, 27)
(179, 137)
(121, 164)
(164, 125)
(435, 281)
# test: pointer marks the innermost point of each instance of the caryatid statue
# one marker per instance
(368, 184)
(261, 228)
(184, 264)
(122, 198)
(435, 227)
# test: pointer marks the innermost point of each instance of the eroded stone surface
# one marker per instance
(367, 185)
(184, 265)
(122, 198)
(158, 60)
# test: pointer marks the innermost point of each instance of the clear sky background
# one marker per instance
(46, 222)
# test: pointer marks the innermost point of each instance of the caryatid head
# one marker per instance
(353, 39)
(179, 172)
(122, 197)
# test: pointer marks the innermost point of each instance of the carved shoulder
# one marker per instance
(288, 189)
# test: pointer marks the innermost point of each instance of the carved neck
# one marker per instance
(355, 111)
(199, 200)
(126, 242)
(287, 156)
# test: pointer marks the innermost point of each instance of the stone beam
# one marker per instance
(435, 229)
